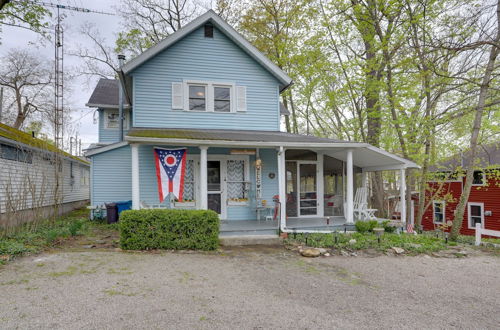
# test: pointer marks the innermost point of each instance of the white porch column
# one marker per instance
(282, 186)
(402, 194)
(349, 210)
(320, 185)
(203, 178)
(136, 198)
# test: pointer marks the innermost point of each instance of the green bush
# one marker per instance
(365, 226)
(74, 227)
(388, 228)
(169, 229)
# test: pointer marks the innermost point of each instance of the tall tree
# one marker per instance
(484, 92)
(28, 77)
(147, 22)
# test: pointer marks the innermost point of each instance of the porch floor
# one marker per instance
(263, 227)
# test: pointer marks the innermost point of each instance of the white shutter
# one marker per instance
(241, 98)
(177, 96)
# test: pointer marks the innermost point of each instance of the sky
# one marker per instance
(82, 116)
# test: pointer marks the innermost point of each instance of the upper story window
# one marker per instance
(479, 178)
(208, 96)
(222, 99)
(197, 97)
(111, 119)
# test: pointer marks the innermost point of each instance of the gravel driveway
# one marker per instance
(247, 289)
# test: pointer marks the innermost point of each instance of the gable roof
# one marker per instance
(230, 32)
(18, 137)
(105, 94)
(487, 155)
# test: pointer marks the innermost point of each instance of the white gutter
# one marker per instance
(230, 143)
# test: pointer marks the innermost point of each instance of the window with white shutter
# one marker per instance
(241, 98)
(177, 96)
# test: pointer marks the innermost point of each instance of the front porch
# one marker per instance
(265, 182)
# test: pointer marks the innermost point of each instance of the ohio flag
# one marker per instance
(170, 170)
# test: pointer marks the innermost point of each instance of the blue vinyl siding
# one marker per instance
(112, 176)
(108, 135)
(215, 59)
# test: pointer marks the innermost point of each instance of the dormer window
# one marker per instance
(197, 98)
(209, 31)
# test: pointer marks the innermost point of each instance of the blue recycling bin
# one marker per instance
(123, 205)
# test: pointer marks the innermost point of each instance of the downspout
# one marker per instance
(121, 118)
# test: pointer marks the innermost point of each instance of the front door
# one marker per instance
(307, 184)
(215, 186)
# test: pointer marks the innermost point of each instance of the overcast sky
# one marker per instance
(108, 26)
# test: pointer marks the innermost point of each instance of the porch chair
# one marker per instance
(361, 210)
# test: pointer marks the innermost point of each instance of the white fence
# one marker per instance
(481, 231)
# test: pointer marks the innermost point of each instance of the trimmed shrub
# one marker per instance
(365, 226)
(169, 229)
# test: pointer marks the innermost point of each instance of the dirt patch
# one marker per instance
(247, 288)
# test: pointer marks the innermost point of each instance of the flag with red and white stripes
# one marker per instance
(409, 228)
(170, 171)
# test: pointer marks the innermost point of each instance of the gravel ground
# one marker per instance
(247, 289)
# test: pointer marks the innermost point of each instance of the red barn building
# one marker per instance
(483, 206)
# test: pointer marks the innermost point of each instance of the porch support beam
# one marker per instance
(282, 187)
(402, 194)
(350, 189)
(320, 184)
(203, 178)
(136, 198)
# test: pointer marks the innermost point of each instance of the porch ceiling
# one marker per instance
(370, 158)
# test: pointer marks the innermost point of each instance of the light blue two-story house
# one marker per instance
(209, 90)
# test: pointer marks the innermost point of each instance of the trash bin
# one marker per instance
(122, 206)
(111, 213)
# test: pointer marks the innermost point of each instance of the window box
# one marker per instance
(237, 202)
(185, 204)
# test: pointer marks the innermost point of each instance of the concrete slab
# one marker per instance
(250, 240)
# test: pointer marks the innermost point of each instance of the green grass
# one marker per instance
(411, 243)
(35, 238)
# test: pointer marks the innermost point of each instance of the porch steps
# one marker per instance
(240, 240)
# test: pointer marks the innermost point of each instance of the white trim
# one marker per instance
(349, 212)
(203, 178)
(402, 195)
(106, 106)
(209, 95)
(223, 27)
(282, 186)
(469, 204)
(109, 147)
(136, 198)
(443, 208)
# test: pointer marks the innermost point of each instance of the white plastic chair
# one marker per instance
(361, 210)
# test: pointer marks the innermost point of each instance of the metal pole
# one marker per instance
(121, 83)
(1, 103)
